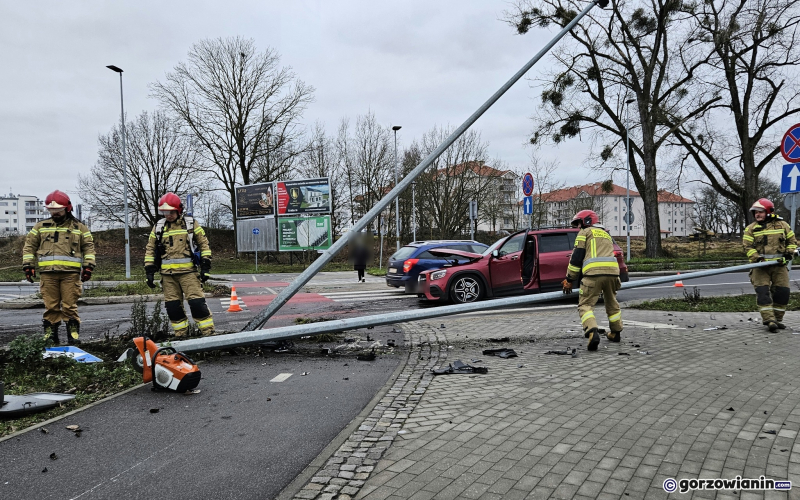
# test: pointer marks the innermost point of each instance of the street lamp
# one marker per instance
(124, 173)
(628, 177)
(397, 199)
(414, 209)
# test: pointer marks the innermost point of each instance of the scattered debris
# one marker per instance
(565, 352)
(729, 375)
(644, 352)
(191, 391)
(458, 367)
(73, 352)
(44, 470)
(442, 326)
(349, 340)
(390, 343)
(731, 409)
(623, 354)
(500, 353)
(715, 328)
(499, 339)
(45, 431)
(770, 432)
(154, 410)
(73, 428)
(304, 374)
(370, 356)
(691, 326)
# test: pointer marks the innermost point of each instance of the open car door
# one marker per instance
(529, 264)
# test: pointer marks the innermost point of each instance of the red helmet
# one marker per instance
(58, 199)
(585, 218)
(170, 201)
(763, 204)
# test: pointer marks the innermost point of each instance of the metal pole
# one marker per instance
(256, 254)
(125, 176)
(380, 230)
(628, 180)
(794, 213)
(414, 209)
(397, 198)
(306, 275)
(291, 332)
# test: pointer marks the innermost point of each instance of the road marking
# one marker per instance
(254, 278)
(226, 303)
(270, 290)
(282, 377)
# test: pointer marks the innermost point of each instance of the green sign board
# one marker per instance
(304, 233)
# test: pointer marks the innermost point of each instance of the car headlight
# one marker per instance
(437, 275)
(421, 277)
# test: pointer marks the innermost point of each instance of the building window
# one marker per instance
(615, 208)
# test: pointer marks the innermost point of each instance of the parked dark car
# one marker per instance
(529, 261)
(406, 264)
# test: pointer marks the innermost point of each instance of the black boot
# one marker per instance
(773, 326)
(780, 325)
(614, 336)
(594, 339)
(73, 331)
(51, 332)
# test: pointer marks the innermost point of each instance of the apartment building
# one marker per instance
(19, 213)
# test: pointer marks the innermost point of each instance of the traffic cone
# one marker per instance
(678, 283)
(234, 307)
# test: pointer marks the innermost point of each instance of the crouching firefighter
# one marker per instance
(64, 249)
(770, 238)
(176, 246)
(595, 267)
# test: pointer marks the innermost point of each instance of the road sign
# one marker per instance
(787, 200)
(527, 205)
(790, 145)
(789, 177)
(473, 210)
(628, 218)
(527, 184)
(256, 230)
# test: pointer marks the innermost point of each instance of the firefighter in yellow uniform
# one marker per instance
(594, 265)
(64, 249)
(171, 250)
(770, 238)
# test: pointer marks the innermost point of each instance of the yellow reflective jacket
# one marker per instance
(593, 255)
(771, 239)
(64, 247)
(177, 258)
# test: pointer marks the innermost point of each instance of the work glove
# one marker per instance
(760, 259)
(566, 287)
(205, 268)
(30, 272)
(788, 256)
(86, 274)
(150, 271)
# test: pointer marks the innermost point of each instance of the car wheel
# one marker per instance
(467, 288)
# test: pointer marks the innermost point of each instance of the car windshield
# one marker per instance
(494, 246)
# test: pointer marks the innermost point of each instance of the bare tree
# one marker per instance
(240, 106)
(372, 163)
(544, 186)
(635, 50)
(320, 159)
(755, 51)
(160, 159)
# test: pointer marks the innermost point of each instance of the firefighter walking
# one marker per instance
(595, 267)
(172, 250)
(64, 249)
(770, 238)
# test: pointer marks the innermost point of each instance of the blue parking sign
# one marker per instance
(527, 205)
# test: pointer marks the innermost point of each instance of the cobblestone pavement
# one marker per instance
(676, 399)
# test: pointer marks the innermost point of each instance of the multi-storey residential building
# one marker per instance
(558, 207)
(19, 213)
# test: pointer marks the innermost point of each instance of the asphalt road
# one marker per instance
(256, 432)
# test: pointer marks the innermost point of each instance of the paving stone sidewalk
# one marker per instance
(685, 395)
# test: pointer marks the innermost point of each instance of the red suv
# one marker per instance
(529, 261)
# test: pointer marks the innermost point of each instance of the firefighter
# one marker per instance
(176, 246)
(64, 249)
(595, 267)
(770, 238)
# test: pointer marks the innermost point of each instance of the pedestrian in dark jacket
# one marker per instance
(360, 256)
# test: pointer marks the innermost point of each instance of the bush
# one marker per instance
(26, 351)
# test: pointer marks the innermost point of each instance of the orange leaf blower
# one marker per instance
(167, 368)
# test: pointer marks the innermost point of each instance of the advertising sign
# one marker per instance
(255, 200)
(304, 233)
(306, 196)
(256, 235)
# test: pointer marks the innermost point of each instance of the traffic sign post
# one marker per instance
(255, 232)
(527, 190)
(527, 205)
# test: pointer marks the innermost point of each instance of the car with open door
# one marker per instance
(529, 261)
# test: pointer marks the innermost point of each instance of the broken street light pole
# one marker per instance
(306, 275)
(292, 332)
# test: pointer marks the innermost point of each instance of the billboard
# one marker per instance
(256, 235)
(255, 200)
(306, 196)
(304, 233)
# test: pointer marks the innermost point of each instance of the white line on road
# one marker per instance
(282, 377)
(254, 278)
(270, 290)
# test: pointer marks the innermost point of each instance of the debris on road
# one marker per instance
(566, 352)
(501, 339)
(459, 367)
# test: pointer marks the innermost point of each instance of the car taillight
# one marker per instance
(408, 264)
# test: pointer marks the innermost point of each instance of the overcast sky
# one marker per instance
(415, 63)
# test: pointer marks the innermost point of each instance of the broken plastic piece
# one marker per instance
(457, 367)
(565, 352)
(500, 353)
